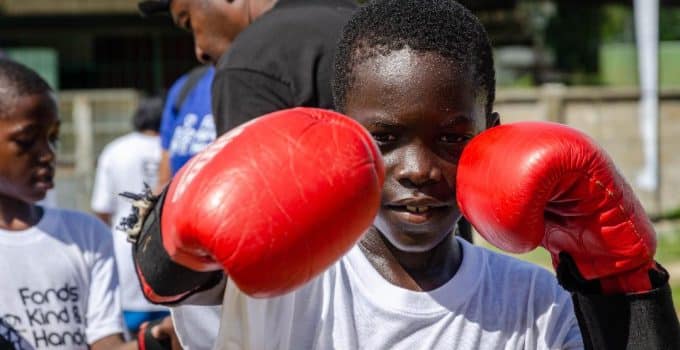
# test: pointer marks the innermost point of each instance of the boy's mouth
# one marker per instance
(44, 179)
(415, 214)
(417, 210)
(413, 209)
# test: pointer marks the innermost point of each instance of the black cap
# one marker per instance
(152, 7)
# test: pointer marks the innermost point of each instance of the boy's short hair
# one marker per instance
(17, 80)
(148, 114)
(444, 27)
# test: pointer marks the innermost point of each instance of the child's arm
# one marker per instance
(104, 217)
(114, 342)
(163, 280)
(645, 320)
(170, 115)
(263, 204)
(527, 184)
(164, 172)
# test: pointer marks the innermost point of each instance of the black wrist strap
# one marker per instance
(634, 321)
(146, 341)
(164, 281)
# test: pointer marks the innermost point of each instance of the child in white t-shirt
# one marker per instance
(59, 280)
(418, 75)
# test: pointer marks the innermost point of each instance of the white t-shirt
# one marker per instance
(493, 302)
(125, 165)
(59, 283)
(196, 325)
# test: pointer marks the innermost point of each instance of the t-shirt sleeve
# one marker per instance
(239, 95)
(197, 325)
(104, 313)
(169, 113)
(103, 193)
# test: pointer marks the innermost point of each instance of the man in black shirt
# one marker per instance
(269, 54)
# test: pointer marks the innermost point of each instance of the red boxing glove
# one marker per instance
(532, 183)
(275, 201)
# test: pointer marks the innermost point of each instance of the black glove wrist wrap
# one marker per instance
(163, 281)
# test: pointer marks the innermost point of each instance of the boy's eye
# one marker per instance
(381, 138)
(187, 25)
(454, 138)
(24, 143)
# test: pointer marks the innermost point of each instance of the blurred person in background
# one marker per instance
(127, 164)
(187, 125)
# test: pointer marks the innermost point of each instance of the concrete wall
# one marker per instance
(71, 7)
(90, 119)
(610, 116)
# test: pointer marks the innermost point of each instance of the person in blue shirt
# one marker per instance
(187, 125)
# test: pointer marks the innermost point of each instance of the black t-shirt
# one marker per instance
(284, 59)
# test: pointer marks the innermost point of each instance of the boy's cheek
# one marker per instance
(449, 173)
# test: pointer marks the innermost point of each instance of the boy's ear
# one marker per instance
(493, 119)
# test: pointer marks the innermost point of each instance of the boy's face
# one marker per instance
(28, 136)
(421, 112)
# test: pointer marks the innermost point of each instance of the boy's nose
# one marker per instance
(47, 153)
(418, 168)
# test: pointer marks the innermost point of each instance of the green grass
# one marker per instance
(668, 248)
(538, 256)
(673, 214)
(675, 288)
(667, 252)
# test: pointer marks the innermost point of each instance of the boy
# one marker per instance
(59, 282)
(418, 75)
(126, 164)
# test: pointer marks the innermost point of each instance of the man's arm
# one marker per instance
(209, 220)
(241, 95)
(163, 171)
(167, 130)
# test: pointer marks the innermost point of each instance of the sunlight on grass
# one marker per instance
(668, 248)
(676, 297)
(539, 256)
(667, 252)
